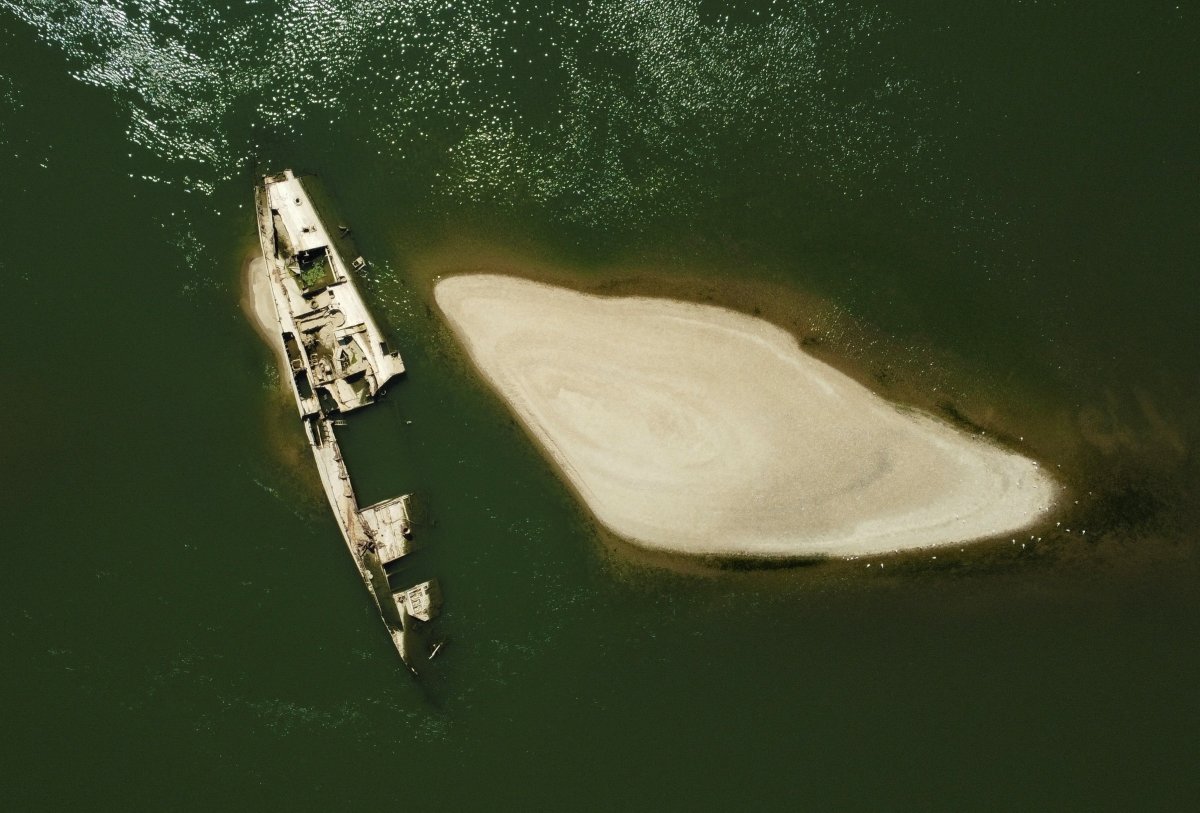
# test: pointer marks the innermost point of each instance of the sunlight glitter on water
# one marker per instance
(605, 114)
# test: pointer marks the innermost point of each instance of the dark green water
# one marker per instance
(1005, 197)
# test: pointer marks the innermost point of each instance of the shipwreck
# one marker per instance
(337, 361)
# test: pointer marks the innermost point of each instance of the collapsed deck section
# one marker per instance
(422, 601)
(389, 527)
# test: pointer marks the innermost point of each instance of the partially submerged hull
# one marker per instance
(337, 360)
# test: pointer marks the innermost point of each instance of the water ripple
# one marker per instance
(606, 112)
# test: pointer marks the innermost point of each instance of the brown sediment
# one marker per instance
(278, 423)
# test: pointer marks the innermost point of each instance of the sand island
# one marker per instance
(697, 430)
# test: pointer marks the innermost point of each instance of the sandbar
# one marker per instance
(697, 430)
(258, 304)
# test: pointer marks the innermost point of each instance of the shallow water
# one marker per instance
(996, 205)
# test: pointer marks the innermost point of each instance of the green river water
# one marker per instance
(989, 210)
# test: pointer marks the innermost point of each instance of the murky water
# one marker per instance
(990, 213)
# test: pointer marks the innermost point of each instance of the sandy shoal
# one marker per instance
(698, 430)
(258, 304)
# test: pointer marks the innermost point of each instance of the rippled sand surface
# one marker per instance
(698, 430)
